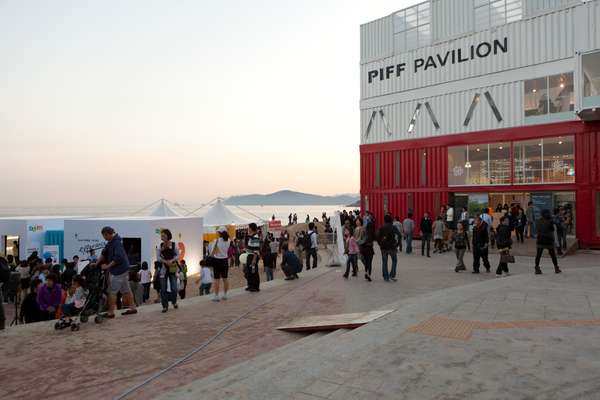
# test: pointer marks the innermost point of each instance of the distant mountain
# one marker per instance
(290, 198)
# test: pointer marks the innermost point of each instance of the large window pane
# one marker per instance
(457, 173)
(528, 161)
(562, 97)
(559, 160)
(500, 163)
(591, 74)
(536, 97)
(478, 173)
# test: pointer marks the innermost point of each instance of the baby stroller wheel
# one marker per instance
(57, 326)
(98, 319)
(75, 327)
(83, 318)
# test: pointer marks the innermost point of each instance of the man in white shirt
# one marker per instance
(450, 217)
(311, 246)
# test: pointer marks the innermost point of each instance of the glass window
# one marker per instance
(559, 160)
(528, 161)
(412, 27)
(500, 163)
(591, 74)
(457, 165)
(478, 165)
(561, 94)
(536, 97)
(496, 12)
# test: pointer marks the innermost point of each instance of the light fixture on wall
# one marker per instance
(468, 165)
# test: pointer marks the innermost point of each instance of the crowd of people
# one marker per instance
(458, 232)
(43, 290)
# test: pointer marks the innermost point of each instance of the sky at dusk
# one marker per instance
(128, 101)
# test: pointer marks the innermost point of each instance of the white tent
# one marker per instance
(164, 210)
(218, 214)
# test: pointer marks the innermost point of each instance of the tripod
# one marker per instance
(16, 320)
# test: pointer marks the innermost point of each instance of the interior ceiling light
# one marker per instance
(534, 90)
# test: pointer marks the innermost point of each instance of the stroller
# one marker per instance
(96, 283)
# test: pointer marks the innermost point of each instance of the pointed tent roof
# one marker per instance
(164, 210)
(219, 214)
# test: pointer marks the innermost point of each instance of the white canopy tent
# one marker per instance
(163, 209)
(219, 215)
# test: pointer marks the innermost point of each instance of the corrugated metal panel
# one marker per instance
(377, 39)
(450, 111)
(451, 18)
(538, 40)
(535, 7)
(591, 15)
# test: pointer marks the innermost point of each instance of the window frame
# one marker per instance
(549, 113)
(506, 19)
(416, 28)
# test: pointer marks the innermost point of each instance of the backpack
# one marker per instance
(4, 271)
(308, 241)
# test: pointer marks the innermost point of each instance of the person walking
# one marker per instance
(365, 236)
(449, 217)
(351, 250)
(438, 235)
(545, 240)
(183, 270)
(168, 254)
(252, 257)
(520, 227)
(504, 244)
(561, 232)
(219, 250)
(530, 215)
(460, 238)
(481, 240)
(311, 246)
(400, 229)
(408, 225)
(426, 231)
(145, 281)
(464, 218)
(114, 259)
(386, 238)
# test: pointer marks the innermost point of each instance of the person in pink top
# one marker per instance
(352, 250)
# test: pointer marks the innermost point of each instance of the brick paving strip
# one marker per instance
(463, 329)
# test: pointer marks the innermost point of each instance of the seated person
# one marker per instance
(290, 263)
(76, 298)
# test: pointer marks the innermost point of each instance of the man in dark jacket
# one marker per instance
(386, 237)
(426, 232)
(290, 264)
(481, 242)
(545, 240)
(504, 243)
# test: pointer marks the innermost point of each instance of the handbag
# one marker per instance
(507, 258)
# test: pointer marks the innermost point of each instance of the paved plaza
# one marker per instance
(451, 336)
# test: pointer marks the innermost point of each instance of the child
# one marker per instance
(75, 299)
(206, 278)
(352, 253)
(146, 281)
(438, 235)
(156, 280)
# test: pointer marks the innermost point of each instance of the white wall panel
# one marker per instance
(451, 18)
(538, 40)
(450, 111)
(377, 38)
(536, 7)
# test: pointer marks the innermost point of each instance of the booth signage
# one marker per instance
(440, 60)
(35, 228)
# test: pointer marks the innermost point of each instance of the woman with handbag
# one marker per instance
(219, 255)
(168, 256)
(504, 243)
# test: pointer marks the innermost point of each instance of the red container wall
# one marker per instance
(408, 191)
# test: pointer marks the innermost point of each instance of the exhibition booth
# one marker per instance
(21, 236)
(140, 235)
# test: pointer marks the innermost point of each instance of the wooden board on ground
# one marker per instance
(333, 322)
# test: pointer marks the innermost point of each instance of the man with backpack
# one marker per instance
(386, 237)
(311, 245)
